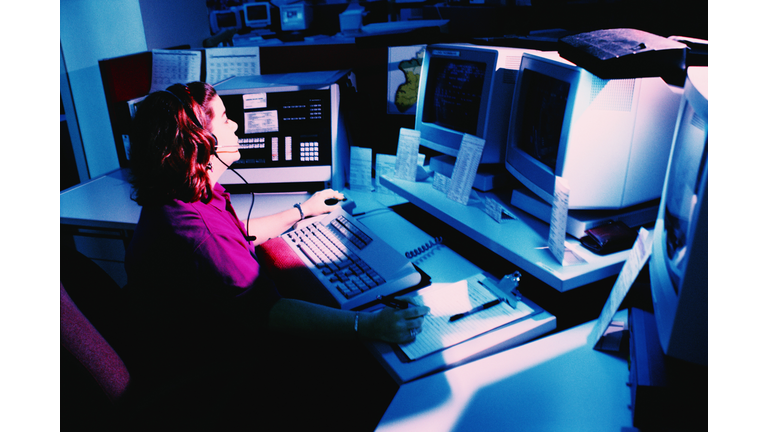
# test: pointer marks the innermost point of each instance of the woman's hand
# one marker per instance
(394, 325)
(316, 206)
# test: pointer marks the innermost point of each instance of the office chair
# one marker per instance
(101, 387)
(84, 342)
(94, 379)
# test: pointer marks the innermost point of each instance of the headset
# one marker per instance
(193, 117)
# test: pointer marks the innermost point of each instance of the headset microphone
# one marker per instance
(193, 117)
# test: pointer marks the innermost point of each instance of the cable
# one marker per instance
(191, 115)
(248, 235)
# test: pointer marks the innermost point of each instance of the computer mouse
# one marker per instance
(333, 201)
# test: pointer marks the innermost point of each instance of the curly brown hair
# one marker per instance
(171, 145)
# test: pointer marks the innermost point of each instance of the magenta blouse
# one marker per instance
(189, 268)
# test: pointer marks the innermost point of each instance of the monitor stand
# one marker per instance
(581, 220)
(488, 175)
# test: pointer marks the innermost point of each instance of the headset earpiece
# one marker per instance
(192, 116)
(187, 108)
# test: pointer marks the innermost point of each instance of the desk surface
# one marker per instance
(521, 241)
(105, 202)
(556, 383)
(443, 265)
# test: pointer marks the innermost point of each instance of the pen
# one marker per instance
(391, 302)
(482, 307)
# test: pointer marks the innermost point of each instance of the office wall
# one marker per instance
(170, 23)
(91, 30)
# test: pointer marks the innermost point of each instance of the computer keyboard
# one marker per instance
(350, 261)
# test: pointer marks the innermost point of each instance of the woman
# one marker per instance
(193, 283)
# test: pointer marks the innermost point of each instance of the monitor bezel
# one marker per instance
(440, 138)
(518, 162)
(681, 310)
(257, 23)
(293, 26)
(214, 20)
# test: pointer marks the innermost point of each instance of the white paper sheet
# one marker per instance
(360, 168)
(465, 170)
(638, 256)
(448, 299)
(174, 66)
(407, 161)
(228, 62)
(559, 220)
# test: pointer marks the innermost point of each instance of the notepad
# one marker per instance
(448, 299)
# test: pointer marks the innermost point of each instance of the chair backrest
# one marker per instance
(80, 338)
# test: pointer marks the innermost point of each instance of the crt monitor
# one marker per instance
(225, 19)
(609, 139)
(466, 89)
(679, 259)
(290, 131)
(257, 15)
(295, 17)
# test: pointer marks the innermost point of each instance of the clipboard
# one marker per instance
(447, 299)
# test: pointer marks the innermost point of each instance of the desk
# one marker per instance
(519, 241)
(105, 202)
(100, 215)
(556, 383)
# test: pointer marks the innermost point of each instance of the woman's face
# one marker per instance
(224, 130)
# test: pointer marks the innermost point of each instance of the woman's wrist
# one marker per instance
(364, 325)
(301, 212)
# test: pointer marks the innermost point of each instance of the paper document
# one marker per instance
(174, 66)
(407, 161)
(559, 220)
(448, 299)
(465, 170)
(360, 168)
(638, 256)
(385, 165)
(224, 63)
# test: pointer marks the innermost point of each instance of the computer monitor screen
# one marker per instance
(466, 89)
(257, 15)
(290, 131)
(542, 112)
(295, 17)
(225, 19)
(609, 139)
(679, 260)
(455, 88)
